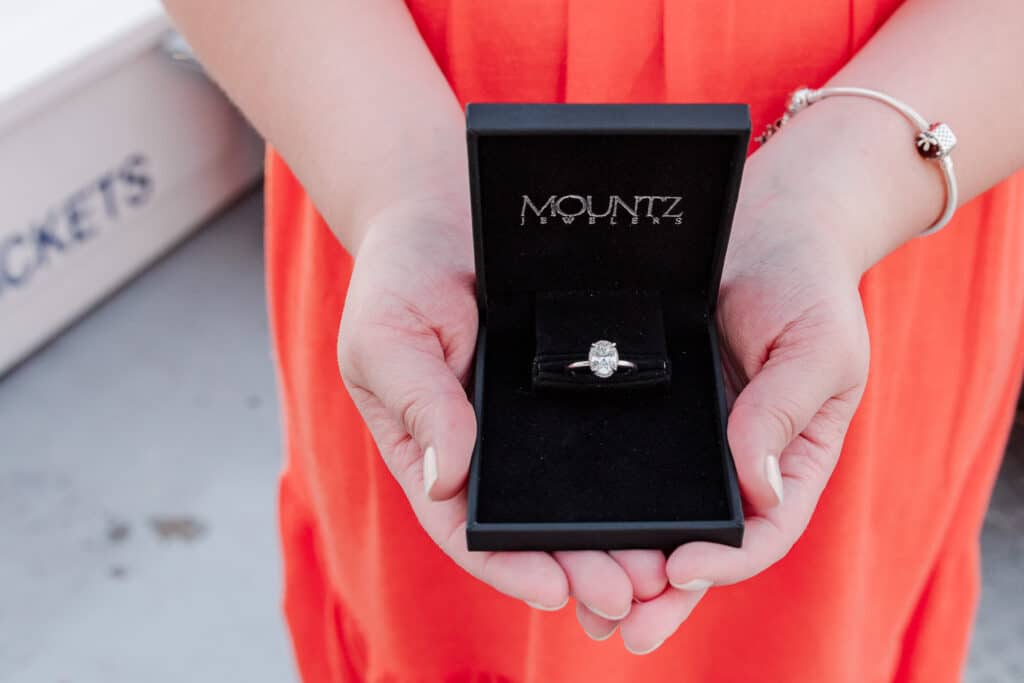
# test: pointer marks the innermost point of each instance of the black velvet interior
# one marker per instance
(603, 456)
(522, 254)
(630, 455)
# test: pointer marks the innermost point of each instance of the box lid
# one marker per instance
(50, 47)
(579, 196)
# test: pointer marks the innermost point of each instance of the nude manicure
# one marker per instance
(774, 475)
(693, 585)
(429, 469)
(546, 608)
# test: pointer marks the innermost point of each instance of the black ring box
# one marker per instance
(625, 205)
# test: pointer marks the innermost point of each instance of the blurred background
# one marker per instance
(139, 430)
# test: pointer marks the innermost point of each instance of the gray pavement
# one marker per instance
(138, 461)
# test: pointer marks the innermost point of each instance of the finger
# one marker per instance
(532, 576)
(645, 569)
(650, 623)
(446, 459)
(598, 628)
(766, 540)
(410, 377)
(596, 580)
(776, 406)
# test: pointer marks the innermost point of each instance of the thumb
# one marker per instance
(419, 390)
(774, 409)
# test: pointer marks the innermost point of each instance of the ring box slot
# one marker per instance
(567, 323)
(601, 222)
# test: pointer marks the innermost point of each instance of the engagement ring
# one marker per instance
(603, 360)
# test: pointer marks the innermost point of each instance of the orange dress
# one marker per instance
(881, 587)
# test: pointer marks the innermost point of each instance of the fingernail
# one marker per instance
(429, 469)
(774, 475)
(600, 638)
(645, 652)
(693, 585)
(547, 608)
(607, 616)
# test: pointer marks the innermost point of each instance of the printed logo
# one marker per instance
(602, 210)
(75, 220)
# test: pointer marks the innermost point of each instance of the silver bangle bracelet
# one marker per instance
(934, 141)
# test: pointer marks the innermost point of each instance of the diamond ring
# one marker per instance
(603, 360)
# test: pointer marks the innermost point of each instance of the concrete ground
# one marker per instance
(138, 465)
(137, 479)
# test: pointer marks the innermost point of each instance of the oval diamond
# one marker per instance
(603, 358)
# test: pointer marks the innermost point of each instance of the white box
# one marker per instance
(110, 153)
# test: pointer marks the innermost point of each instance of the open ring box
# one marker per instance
(601, 222)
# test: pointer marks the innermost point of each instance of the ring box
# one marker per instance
(607, 210)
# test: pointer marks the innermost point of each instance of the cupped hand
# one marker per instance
(795, 353)
(405, 348)
(795, 356)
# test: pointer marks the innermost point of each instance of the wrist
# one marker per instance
(419, 178)
(436, 229)
(409, 210)
(851, 166)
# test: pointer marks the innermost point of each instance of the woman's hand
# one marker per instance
(795, 350)
(795, 355)
(405, 348)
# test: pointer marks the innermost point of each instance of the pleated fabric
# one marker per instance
(881, 587)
